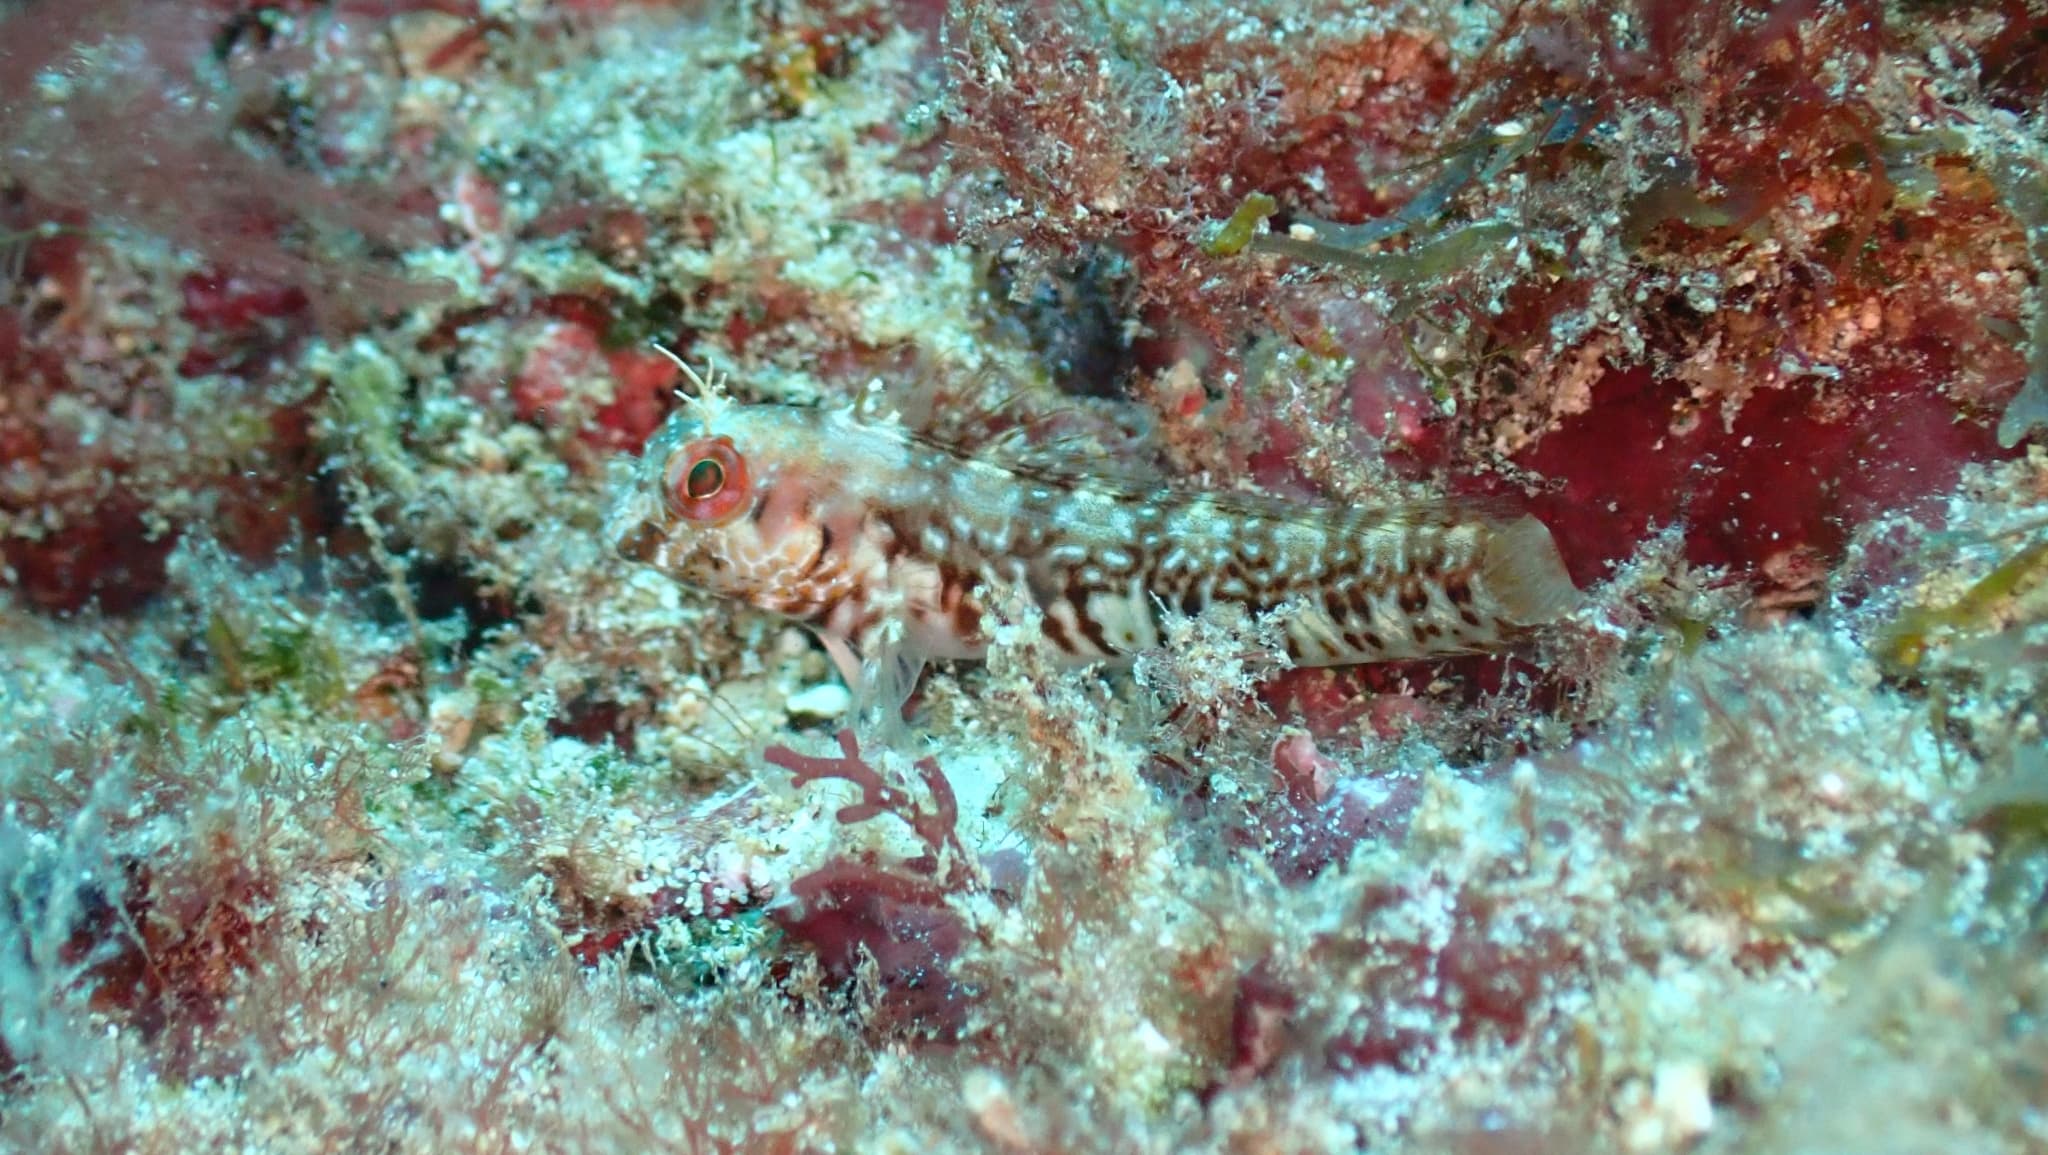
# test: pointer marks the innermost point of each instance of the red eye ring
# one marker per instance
(707, 480)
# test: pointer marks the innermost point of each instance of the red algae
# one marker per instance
(1784, 478)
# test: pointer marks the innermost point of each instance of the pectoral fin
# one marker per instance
(881, 682)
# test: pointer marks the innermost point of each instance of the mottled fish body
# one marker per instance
(872, 537)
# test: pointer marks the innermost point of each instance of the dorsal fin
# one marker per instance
(1025, 427)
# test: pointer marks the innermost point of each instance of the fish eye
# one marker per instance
(707, 481)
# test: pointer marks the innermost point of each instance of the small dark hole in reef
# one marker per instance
(1674, 324)
(1732, 1090)
(442, 589)
(1073, 318)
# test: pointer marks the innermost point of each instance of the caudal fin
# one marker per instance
(1525, 574)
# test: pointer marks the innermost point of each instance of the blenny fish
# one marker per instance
(882, 541)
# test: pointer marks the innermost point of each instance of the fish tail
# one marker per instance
(1522, 570)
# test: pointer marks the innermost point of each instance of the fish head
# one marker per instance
(724, 499)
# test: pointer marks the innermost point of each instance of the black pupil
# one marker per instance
(706, 478)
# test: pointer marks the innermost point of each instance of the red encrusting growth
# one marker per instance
(1723, 213)
(1786, 478)
(1813, 343)
(159, 131)
(850, 910)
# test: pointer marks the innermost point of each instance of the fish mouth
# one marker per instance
(633, 525)
(637, 523)
(640, 541)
